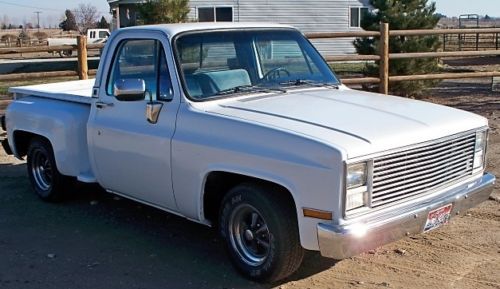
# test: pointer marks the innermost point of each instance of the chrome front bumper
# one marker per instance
(340, 242)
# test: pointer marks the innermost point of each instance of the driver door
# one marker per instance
(131, 154)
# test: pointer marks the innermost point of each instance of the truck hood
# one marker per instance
(356, 122)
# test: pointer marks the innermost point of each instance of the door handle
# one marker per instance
(102, 104)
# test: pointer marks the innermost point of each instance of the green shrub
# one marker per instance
(402, 15)
(163, 11)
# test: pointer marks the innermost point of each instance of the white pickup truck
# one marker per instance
(245, 127)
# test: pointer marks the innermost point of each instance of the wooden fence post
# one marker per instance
(384, 58)
(83, 69)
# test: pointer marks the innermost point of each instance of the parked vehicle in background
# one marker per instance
(244, 127)
(94, 36)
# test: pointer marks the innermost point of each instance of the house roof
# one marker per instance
(174, 29)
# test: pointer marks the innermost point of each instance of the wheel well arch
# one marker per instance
(22, 140)
(218, 184)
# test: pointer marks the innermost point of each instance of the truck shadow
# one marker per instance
(107, 241)
(12, 169)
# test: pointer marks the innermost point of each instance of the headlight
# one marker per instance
(356, 189)
(480, 149)
(356, 175)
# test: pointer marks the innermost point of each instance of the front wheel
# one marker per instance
(45, 179)
(259, 226)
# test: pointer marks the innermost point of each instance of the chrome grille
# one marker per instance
(414, 172)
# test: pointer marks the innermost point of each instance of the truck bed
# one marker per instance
(79, 91)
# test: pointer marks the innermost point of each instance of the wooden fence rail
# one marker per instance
(81, 47)
(19, 50)
(33, 75)
(383, 56)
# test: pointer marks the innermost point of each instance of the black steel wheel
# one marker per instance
(45, 179)
(249, 235)
(259, 226)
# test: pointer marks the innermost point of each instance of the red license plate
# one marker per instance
(438, 217)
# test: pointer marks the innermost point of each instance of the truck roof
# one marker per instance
(174, 29)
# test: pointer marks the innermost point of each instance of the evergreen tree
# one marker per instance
(402, 14)
(103, 23)
(163, 11)
(69, 24)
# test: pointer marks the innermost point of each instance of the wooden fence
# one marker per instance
(384, 57)
(384, 78)
(81, 48)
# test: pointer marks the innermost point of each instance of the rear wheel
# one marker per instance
(45, 179)
(259, 226)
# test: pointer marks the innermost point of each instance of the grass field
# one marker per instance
(342, 68)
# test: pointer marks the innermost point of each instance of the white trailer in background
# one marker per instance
(94, 36)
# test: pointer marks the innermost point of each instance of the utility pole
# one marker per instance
(38, 19)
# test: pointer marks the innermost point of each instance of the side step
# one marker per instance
(86, 177)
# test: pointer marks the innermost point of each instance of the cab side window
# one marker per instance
(142, 59)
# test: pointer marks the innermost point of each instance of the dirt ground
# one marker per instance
(97, 240)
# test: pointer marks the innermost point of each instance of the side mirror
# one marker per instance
(130, 89)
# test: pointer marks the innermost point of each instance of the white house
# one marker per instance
(306, 15)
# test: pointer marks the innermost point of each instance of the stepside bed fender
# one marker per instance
(63, 123)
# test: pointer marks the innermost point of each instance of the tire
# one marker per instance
(45, 179)
(259, 226)
(65, 53)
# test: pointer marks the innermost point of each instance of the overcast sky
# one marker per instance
(20, 11)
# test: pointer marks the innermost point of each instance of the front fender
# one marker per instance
(308, 169)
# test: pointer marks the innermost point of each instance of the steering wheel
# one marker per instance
(276, 73)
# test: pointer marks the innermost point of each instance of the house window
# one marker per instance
(357, 14)
(206, 14)
(215, 14)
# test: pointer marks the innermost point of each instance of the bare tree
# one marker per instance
(86, 17)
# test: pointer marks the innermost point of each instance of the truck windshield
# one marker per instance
(225, 63)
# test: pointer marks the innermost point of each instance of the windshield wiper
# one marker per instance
(299, 82)
(248, 89)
